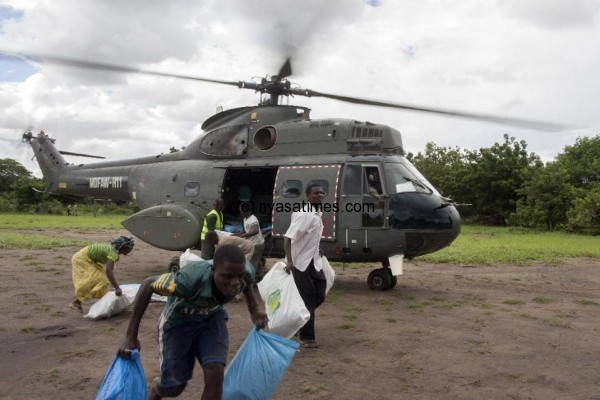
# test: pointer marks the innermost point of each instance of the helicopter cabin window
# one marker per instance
(352, 179)
(191, 189)
(324, 185)
(373, 181)
(291, 189)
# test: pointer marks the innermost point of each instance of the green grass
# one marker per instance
(50, 221)
(476, 245)
(498, 245)
(9, 240)
(556, 323)
(314, 389)
(514, 302)
(586, 302)
(543, 300)
(11, 224)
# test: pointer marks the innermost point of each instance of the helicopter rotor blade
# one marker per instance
(286, 69)
(71, 62)
(277, 88)
(524, 123)
(69, 153)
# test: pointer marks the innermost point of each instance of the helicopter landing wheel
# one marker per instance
(380, 279)
(394, 278)
(173, 265)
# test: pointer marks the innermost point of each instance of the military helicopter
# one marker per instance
(265, 155)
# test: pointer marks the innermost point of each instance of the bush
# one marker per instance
(584, 215)
(6, 205)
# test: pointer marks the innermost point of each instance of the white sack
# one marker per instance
(188, 257)
(285, 308)
(329, 273)
(110, 304)
(132, 288)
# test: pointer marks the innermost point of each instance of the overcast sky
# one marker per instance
(536, 59)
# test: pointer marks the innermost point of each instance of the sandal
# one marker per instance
(309, 344)
(76, 306)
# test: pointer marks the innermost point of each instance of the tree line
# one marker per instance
(20, 191)
(500, 185)
(507, 185)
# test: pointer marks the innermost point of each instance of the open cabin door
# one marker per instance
(362, 207)
(290, 192)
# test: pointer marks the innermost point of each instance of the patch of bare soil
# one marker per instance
(446, 331)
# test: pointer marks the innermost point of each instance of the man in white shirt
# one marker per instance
(253, 234)
(303, 258)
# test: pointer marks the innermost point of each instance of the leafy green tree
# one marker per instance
(584, 215)
(494, 176)
(444, 167)
(25, 195)
(582, 160)
(545, 197)
(563, 194)
(10, 172)
(16, 187)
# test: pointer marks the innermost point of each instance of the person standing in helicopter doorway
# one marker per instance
(212, 221)
(252, 232)
(93, 269)
(303, 258)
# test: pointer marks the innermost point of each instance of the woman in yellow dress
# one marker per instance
(93, 269)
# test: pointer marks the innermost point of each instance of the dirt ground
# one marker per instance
(445, 332)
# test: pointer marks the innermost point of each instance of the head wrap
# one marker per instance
(122, 241)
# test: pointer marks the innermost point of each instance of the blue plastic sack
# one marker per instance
(258, 366)
(124, 380)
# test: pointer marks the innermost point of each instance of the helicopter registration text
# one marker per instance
(107, 182)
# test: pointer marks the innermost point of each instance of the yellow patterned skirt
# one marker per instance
(89, 278)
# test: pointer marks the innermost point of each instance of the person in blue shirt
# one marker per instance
(193, 323)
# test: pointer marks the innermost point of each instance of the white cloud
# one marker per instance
(534, 59)
(555, 14)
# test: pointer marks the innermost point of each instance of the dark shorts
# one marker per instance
(179, 345)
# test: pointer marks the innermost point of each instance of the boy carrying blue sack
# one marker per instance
(193, 323)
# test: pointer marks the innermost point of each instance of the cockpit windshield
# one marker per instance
(403, 177)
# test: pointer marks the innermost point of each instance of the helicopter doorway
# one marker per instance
(248, 185)
(290, 195)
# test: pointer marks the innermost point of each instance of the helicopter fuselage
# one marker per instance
(265, 156)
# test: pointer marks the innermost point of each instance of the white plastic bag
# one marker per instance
(188, 257)
(285, 308)
(110, 304)
(329, 273)
(131, 289)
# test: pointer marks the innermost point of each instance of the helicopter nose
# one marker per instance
(456, 222)
(429, 222)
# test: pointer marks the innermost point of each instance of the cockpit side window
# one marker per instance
(404, 177)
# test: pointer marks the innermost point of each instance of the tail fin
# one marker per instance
(49, 158)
